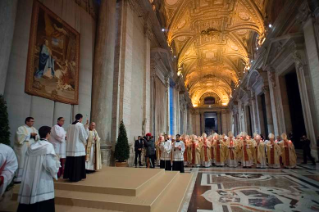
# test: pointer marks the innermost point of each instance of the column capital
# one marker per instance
(148, 31)
(304, 12)
(265, 89)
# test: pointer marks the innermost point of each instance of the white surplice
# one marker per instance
(178, 154)
(93, 160)
(22, 141)
(41, 166)
(57, 138)
(76, 140)
(166, 148)
(8, 158)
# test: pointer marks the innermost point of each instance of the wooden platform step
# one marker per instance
(164, 192)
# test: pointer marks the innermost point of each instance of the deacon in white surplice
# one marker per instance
(93, 160)
(77, 136)
(25, 136)
(41, 165)
(57, 138)
(166, 147)
(8, 166)
(178, 154)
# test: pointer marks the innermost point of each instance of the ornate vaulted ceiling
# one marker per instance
(214, 41)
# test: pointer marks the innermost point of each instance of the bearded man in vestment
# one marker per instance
(196, 147)
(246, 152)
(288, 154)
(273, 152)
(260, 152)
(189, 150)
(205, 151)
(185, 139)
(210, 140)
(219, 151)
(93, 160)
(232, 147)
(25, 136)
(158, 148)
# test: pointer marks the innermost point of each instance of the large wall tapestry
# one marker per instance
(53, 57)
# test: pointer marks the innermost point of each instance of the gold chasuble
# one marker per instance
(273, 154)
(93, 159)
(288, 154)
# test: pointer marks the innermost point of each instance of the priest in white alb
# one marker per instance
(41, 166)
(166, 147)
(178, 154)
(8, 166)
(77, 136)
(57, 138)
(25, 136)
(93, 161)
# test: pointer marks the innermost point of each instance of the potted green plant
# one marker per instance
(122, 148)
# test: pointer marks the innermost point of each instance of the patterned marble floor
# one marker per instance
(243, 190)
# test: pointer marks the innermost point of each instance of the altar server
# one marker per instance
(25, 136)
(288, 154)
(93, 161)
(57, 138)
(41, 166)
(8, 166)
(77, 136)
(178, 154)
(166, 148)
(273, 152)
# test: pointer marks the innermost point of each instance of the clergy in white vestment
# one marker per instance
(77, 136)
(8, 166)
(166, 147)
(178, 154)
(25, 136)
(57, 138)
(40, 168)
(93, 160)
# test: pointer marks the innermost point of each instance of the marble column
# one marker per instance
(302, 74)
(253, 112)
(270, 124)
(219, 120)
(102, 91)
(272, 85)
(197, 114)
(147, 78)
(8, 10)
(202, 121)
(313, 66)
(167, 105)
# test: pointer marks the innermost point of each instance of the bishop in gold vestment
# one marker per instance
(273, 152)
(288, 154)
(93, 161)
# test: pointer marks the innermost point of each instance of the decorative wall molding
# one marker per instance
(89, 6)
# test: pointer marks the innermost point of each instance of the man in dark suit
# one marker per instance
(138, 146)
(150, 150)
(306, 150)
